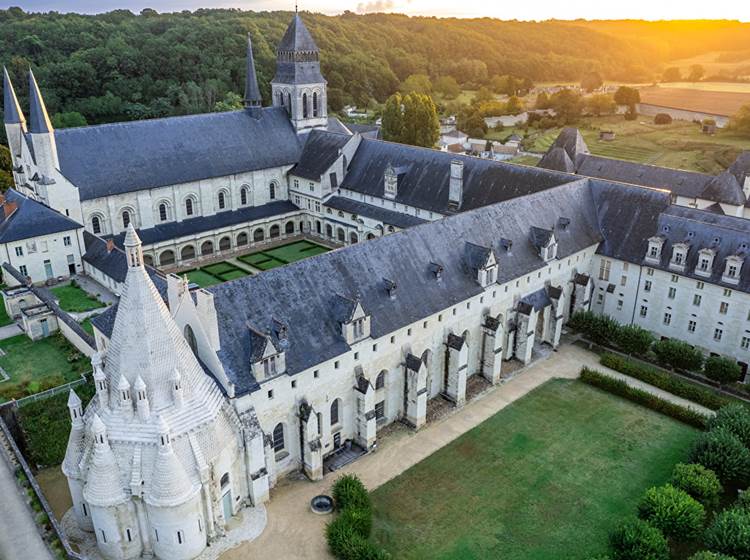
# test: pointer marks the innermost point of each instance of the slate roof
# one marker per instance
(557, 159)
(388, 217)
(30, 219)
(38, 117)
(12, 113)
(741, 167)
(424, 176)
(537, 300)
(321, 150)
(252, 91)
(297, 39)
(303, 294)
(200, 224)
(371, 131)
(114, 263)
(724, 188)
(124, 157)
(540, 237)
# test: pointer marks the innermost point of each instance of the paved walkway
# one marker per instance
(294, 532)
(19, 537)
(9, 331)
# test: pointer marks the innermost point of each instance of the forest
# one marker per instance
(123, 66)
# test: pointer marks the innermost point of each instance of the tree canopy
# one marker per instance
(411, 119)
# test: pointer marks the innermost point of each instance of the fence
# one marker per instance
(55, 390)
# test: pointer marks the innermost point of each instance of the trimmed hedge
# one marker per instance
(736, 419)
(637, 540)
(348, 491)
(673, 511)
(690, 391)
(698, 481)
(730, 533)
(678, 355)
(622, 389)
(722, 452)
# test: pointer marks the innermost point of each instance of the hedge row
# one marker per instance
(644, 398)
(690, 391)
(348, 534)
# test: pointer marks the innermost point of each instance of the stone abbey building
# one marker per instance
(451, 273)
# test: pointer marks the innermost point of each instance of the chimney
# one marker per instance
(9, 208)
(456, 190)
(110, 245)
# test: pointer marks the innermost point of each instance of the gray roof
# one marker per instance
(304, 294)
(297, 37)
(741, 167)
(321, 150)
(200, 224)
(557, 159)
(12, 113)
(571, 140)
(724, 188)
(125, 157)
(540, 237)
(424, 176)
(537, 300)
(388, 217)
(38, 118)
(371, 131)
(252, 91)
(302, 67)
(30, 219)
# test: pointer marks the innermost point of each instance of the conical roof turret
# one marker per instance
(170, 485)
(252, 91)
(12, 113)
(38, 118)
(103, 485)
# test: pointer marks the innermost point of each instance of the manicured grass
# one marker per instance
(219, 268)
(4, 318)
(216, 273)
(233, 275)
(547, 477)
(269, 264)
(285, 254)
(37, 366)
(75, 300)
(87, 326)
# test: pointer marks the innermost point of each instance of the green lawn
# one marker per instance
(547, 477)
(74, 300)
(4, 318)
(37, 366)
(285, 254)
(87, 326)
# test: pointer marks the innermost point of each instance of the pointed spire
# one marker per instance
(170, 485)
(73, 400)
(133, 247)
(103, 486)
(11, 107)
(38, 118)
(297, 37)
(252, 91)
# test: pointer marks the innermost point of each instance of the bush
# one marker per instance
(359, 519)
(730, 533)
(723, 370)
(622, 389)
(637, 540)
(722, 452)
(736, 419)
(690, 391)
(632, 339)
(698, 481)
(706, 555)
(662, 118)
(348, 491)
(339, 533)
(678, 354)
(673, 511)
(600, 329)
(743, 500)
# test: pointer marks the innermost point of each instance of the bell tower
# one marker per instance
(298, 85)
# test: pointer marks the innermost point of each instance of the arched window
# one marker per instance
(148, 260)
(125, 218)
(329, 231)
(190, 337)
(272, 191)
(189, 206)
(318, 227)
(187, 253)
(275, 231)
(335, 412)
(353, 238)
(258, 235)
(166, 258)
(242, 239)
(370, 236)
(380, 380)
(304, 105)
(243, 196)
(225, 243)
(224, 480)
(222, 200)
(289, 103)
(315, 104)
(278, 438)
(207, 248)
(163, 214)
(341, 235)
(289, 227)
(96, 224)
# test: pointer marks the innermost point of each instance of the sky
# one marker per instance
(523, 10)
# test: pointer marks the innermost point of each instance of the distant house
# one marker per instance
(452, 137)
(606, 135)
(507, 120)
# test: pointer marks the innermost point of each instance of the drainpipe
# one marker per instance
(637, 294)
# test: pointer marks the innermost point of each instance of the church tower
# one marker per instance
(299, 86)
(14, 121)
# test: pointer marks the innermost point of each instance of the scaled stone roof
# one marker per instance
(321, 150)
(12, 113)
(297, 37)
(388, 217)
(30, 219)
(124, 157)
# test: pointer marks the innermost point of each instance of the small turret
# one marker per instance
(100, 381)
(103, 487)
(133, 247)
(75, 408)
(123, 392)
(177, 388)
(141, 399)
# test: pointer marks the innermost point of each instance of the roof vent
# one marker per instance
(437, 270)
(666, 229)
(563, 223)
(280, 329)
(390, 287)
(507, 244)
(691, 234)
(717, 240)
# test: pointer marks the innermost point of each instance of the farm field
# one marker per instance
(713, 64)
(707, 101)
(710, 86)
(549, 476)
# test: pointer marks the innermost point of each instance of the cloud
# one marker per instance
(379, 6)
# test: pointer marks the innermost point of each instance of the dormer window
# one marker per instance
(655, 245)
(705, 262)
(437, 270)
(359, 328)
(354, 321)
(269, 366)
(390, 288)
(732, 269)
(679, 256)
(390, 182)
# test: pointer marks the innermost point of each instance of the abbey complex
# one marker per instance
(448, 271)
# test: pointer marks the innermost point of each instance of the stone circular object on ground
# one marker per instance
(322, 505)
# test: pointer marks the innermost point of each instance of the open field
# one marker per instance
(713, 64)
(710, 86)
(705, 101)
(549, 476)
(279, 256)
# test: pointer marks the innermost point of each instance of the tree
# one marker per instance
(662, 118)
(448, 87)
(722, 369)
(722, 452)
(592, 81)
(730, 533)
(568, 105)
(736, 419)
(69, 119)
(418, 83)
(6, 169)
(673, 511)
(542, 100)
(678, 354)
(393, 118)
(671, 74)
(706, 555)
(698, 481)
(411, 119)
(470, 121)
(484, 95)
(634, 340)
(627, 96)
(600, 104)
(637, 540)
(741, 121)
(231, 102)
(696, 73)
(514, 105)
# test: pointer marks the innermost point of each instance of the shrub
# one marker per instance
(348, 491)
(698, 481)
(673, 511)
(637, 540)
(633, 339)
(359, 519)
(600, 329)
(622, 389)
(723, 370)
(736, 419)
(678, 354)
(722, 452)
(706, 555)
(662, 118)
(743, 500)
(339, 533)
(730, 533)
(690, 391)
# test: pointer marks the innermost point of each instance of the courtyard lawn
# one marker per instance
(549, 476)
(285, 254)
(75, 300)
(4, 318)
(216, 273)
(37, 366)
